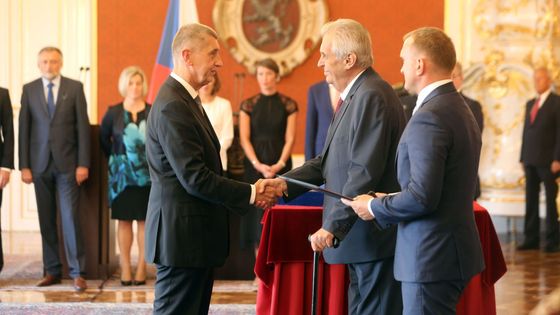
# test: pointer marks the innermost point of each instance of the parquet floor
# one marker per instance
(531, 276)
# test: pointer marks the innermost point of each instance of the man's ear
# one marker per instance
(350, 60)
(186, 56)
(420, 66)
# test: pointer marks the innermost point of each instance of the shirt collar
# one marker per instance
(349, 86)
(543, 96)
(55, 81)
(192, 92)
(426, 91)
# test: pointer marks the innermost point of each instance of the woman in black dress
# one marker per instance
(267, 127)
(123, 141)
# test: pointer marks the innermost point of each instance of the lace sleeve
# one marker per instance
(247, 105)
(291, 106)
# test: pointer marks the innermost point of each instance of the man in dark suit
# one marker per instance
(187, 225)
(540, 155)
(54, 154)
(407, 100)
(6, 149)
(476, 109)
(359, 155)
(321, 103)
(438, 249)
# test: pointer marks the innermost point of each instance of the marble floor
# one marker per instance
(531, 276)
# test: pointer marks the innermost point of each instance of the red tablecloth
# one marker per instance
(479, 297)
(284, 264)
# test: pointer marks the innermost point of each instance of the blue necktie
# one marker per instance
(50, 100)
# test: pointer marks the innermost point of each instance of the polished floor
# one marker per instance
(531, 276)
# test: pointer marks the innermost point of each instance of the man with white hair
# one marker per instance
(358, 156)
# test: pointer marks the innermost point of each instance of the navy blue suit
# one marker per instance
(437, 163)
(319, 117)
(53, 149)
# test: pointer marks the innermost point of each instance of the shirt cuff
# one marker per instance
(253, 194)
(6, 169)
(369, 207)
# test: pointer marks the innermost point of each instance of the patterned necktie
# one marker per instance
(535, 109)
(50, 100)
(338, 106)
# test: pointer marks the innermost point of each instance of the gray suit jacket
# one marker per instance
(187, 224)
(66, 137)
(359, 156)
(437, 164)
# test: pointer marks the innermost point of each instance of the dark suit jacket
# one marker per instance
(476, 110)
(66, 137)
(7, 125)
(359, 156)
(437, 162)
(187, 220)
(319, 117)
(541, 139)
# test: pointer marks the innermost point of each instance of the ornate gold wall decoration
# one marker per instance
(285, 30)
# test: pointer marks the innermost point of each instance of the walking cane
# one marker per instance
(315, 271)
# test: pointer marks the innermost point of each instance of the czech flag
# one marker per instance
(179, 12)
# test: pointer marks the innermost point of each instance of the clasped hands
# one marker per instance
(268, 171)
(268, 192)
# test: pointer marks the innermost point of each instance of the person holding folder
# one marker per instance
(359, 154)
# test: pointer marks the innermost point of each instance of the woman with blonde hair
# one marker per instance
(123, 142)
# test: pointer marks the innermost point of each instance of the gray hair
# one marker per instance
(127, 74)
(349, 36)
(50, 49)
(190, 36)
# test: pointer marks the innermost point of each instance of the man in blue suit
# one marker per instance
(438, 249)
(54, 146)
(321, 102)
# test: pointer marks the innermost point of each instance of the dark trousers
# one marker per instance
(48, 186)
(373, 288)
(183, 290)
(437, 298)
(1, 250)
(534, 176)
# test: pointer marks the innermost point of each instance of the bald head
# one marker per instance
(542, 79)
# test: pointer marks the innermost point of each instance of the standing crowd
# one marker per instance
(415, 174)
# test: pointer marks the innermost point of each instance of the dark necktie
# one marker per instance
(535, 109)
(199, 104)
(50, 100)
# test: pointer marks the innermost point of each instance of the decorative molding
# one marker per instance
(285, 30)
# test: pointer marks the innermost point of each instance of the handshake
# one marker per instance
(268, 191)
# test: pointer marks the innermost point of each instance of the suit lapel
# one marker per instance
(41, 92)
(547, 103)
(61, 96)
(192, 106)
(343, 108)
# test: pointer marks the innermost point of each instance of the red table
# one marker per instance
(284, 264)
(479, 297)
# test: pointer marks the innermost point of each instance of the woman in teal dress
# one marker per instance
(123, 142)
